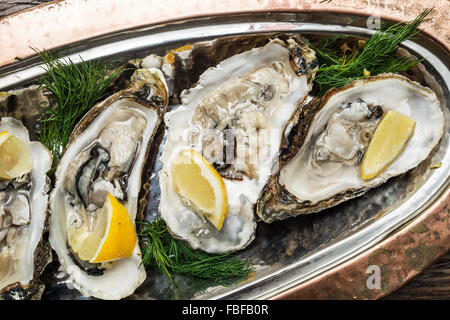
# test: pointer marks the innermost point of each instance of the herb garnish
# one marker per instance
(75, 88)
(170, 256)
(377, 56)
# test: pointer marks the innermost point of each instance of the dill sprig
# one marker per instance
(162, 252)
(74, 88)
(377, 56)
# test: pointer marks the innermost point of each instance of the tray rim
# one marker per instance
(318, 281)
(395, 246)
(193, 9)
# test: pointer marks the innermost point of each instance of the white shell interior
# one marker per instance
(239, 226)
(392, 93)
(126, 274)
(32, 233)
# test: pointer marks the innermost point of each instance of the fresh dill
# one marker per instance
(376, 56)
(169, 256)
(74, 88)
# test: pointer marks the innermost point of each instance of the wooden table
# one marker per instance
(433, 283)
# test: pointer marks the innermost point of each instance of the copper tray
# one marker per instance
(400, 227)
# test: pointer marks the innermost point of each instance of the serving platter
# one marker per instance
(305, 256)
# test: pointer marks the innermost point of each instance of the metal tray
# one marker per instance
(299, 257)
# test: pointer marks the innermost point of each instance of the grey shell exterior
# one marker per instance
(26, 105)
(275, 202)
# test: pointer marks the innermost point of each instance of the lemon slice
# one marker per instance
(15, 156)
(112, 234)
(389, 139)
(200, 185)
(120, 236)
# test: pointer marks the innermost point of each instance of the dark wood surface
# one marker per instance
(11, 6)
(433, 283)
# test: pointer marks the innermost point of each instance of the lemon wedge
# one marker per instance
(15, 156)
(120, 236)
(389, 139)
(200, 185)
(112, 234)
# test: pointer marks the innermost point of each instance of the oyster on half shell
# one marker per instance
(109, 151)
(235, 117)
(23, 215)
(321, 165)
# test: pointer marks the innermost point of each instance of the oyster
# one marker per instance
(321, 166)
(25, 105)
(235, 117)
(23, 215)
(189, 62)
(109, 152)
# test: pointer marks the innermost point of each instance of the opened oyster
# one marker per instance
(108, 153)
(23, 214)
(235, 117)
(321, 167)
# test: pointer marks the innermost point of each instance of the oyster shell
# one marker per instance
(235, 117)
(25, 105)
(23, 215)
(321, 163)
(191, 61)
(109, 152)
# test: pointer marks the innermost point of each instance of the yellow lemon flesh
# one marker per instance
(170, 56)
(113, 235)
(200, 185)
(15, 156)
(389, 139)
(120, 236)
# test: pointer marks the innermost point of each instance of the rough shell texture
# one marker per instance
(276, 202)
(25, 105)
(190, 64)
(296, 67)
(146, 96)
(32, 253)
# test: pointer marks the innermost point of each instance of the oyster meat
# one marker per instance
(109, 151)
(321, 167)
(23, 215)
(235, 117)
